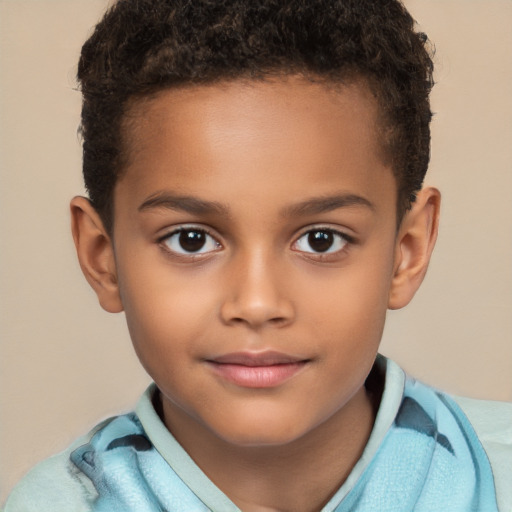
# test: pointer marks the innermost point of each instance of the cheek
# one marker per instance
(164, 310)
(352, 297)
(348, 316)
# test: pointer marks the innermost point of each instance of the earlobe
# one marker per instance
(414, 245)
(95, 253)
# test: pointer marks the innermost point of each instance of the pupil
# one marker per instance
(192, 241)
(320, 241)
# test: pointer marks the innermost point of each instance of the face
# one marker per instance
(254, 242)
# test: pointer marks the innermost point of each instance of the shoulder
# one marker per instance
(492, 422)
(483, 426)
(55, 484)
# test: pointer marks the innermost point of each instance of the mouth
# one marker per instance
(257, 369)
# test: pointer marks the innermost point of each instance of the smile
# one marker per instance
(256, 370)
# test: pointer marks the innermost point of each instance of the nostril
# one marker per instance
(256, 316)
(278, 320)
(256, 299)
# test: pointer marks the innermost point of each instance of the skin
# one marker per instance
(261, 165)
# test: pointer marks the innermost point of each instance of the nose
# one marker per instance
(255, 295)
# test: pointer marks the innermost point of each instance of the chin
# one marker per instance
(261, 433)
(252, 440)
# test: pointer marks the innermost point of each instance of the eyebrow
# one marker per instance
(325, 204)
(196, 206)
(187, 204)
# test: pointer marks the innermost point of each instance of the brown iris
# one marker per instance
(192, 240)
(320, 241)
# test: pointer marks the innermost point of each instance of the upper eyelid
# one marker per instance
(324, 227)
(192, 256)
(171, 230)
(167, 232)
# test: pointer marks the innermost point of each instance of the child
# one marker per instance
(255, 173)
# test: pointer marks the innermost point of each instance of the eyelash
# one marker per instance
(164, 242)
(343, 238)
(336, 237)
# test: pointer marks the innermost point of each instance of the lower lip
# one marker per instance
(257, 376)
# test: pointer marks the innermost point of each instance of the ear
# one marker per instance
(414, 245)
(95, 253)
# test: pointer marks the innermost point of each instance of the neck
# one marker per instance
(301, 475)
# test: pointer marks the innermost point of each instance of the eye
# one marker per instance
(190, 241)
(321, 241)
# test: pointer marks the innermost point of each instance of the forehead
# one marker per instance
(264, 103)
(287, 130)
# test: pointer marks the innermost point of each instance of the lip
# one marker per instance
(257, 369)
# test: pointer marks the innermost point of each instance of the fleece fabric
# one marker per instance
(423, 455)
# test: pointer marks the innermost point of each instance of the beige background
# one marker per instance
(65, 363)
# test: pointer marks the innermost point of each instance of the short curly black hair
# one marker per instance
(143, 46)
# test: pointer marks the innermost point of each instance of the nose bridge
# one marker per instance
(256, 292)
